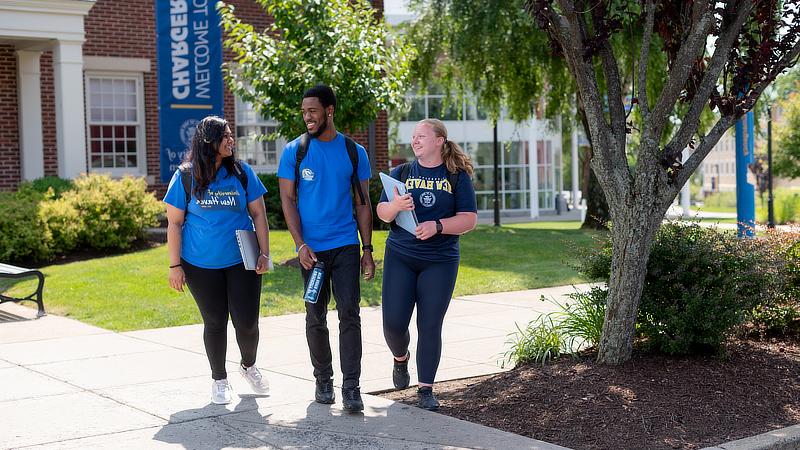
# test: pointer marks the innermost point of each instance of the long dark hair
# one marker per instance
(202, 153)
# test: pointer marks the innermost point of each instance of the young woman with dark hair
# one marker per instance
(420, 269)
(204, 254)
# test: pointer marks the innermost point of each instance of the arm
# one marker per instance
(461, 223)
(258, 212)
(364, 220)
(175, 219)
(387, 211)
(289, 206)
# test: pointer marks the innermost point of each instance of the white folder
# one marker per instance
(406, 220)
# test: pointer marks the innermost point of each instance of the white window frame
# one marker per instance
(258, 122)
(141, 138)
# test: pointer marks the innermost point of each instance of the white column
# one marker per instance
(70, 118)
(533, 172)
(686, 190)
(29, 95)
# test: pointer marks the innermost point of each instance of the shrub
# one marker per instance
(700, 284)
(113, 213)
(63, 224)
(720, 200)
(22, 233)
(272, 200)
(44, 184)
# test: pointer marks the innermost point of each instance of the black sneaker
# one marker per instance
(400, 376)
(324, 392)
(426, 399)
(351, 399)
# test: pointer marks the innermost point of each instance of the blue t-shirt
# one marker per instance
(324, 201)
(208, 239)
(433, 199)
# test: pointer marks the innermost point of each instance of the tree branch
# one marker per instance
(650, 13)
(722, 50)
(707, 143)
(679, 72)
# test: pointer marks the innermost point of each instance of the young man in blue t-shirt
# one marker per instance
(318, 210)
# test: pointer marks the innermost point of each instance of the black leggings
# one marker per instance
(218, 292)
(409, 281)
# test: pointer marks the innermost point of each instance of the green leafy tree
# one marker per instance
(787, 149)
(721, 55)
(494, 50)
(341, 43)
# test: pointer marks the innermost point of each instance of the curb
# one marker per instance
(782, 439)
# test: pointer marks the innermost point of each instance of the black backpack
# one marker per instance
(352, 152)
(186, 179)
(452, 178)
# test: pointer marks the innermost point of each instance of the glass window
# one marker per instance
(483, 179)
(473, 110)
(418, 110)
(440, 109)
(253, 143)
(115, 123)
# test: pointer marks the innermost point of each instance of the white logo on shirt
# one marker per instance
(307, 174)
(427, 199)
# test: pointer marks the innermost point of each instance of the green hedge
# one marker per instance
(700, 284)
(50, 217)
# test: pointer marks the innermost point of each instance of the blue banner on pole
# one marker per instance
(189, 74)
(745, 180)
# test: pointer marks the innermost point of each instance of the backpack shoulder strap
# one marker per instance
(186, 181)
(352, 152)
(238, 170)
(302, 150)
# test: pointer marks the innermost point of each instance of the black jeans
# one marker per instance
(218, 292)
(342, 275)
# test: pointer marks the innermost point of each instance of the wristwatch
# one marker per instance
(366, 247)
(438, 227)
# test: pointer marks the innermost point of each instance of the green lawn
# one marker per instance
(130, 291)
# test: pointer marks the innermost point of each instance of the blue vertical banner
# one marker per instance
(189, 43)
(745, 180)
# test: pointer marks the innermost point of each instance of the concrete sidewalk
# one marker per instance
(71, 385)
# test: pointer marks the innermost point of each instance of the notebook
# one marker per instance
(406, 220)
(248, 246)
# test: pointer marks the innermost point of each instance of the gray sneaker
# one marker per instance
(426, 399)
(400, 376)
(351, 399)
(324, 392)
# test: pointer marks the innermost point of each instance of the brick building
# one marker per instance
(79, 92)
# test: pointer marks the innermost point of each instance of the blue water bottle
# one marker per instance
(315, 280)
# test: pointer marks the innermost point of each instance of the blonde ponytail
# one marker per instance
(454, 157)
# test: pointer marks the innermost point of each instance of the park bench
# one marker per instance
(9, 271)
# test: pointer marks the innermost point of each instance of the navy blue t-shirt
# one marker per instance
(433, 199)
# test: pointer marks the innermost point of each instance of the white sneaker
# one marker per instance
(258, 383)
(221, 392)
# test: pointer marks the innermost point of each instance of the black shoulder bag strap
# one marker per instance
(352, 152)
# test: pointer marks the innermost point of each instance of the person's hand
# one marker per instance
(402, 202)
(307, 257)
(426, 230)
(262, 266)
(367, 265)
(177, 278)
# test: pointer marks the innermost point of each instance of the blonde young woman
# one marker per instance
(420, 269)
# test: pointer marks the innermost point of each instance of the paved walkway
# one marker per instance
(70, 385)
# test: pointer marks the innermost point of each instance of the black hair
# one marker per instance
(203, 153)
(324, 93)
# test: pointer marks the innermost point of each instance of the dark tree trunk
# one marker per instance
(597, 213)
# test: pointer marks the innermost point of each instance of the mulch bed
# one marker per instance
(651, 402)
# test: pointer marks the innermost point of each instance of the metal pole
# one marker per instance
(496, 178)
(770, 204)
